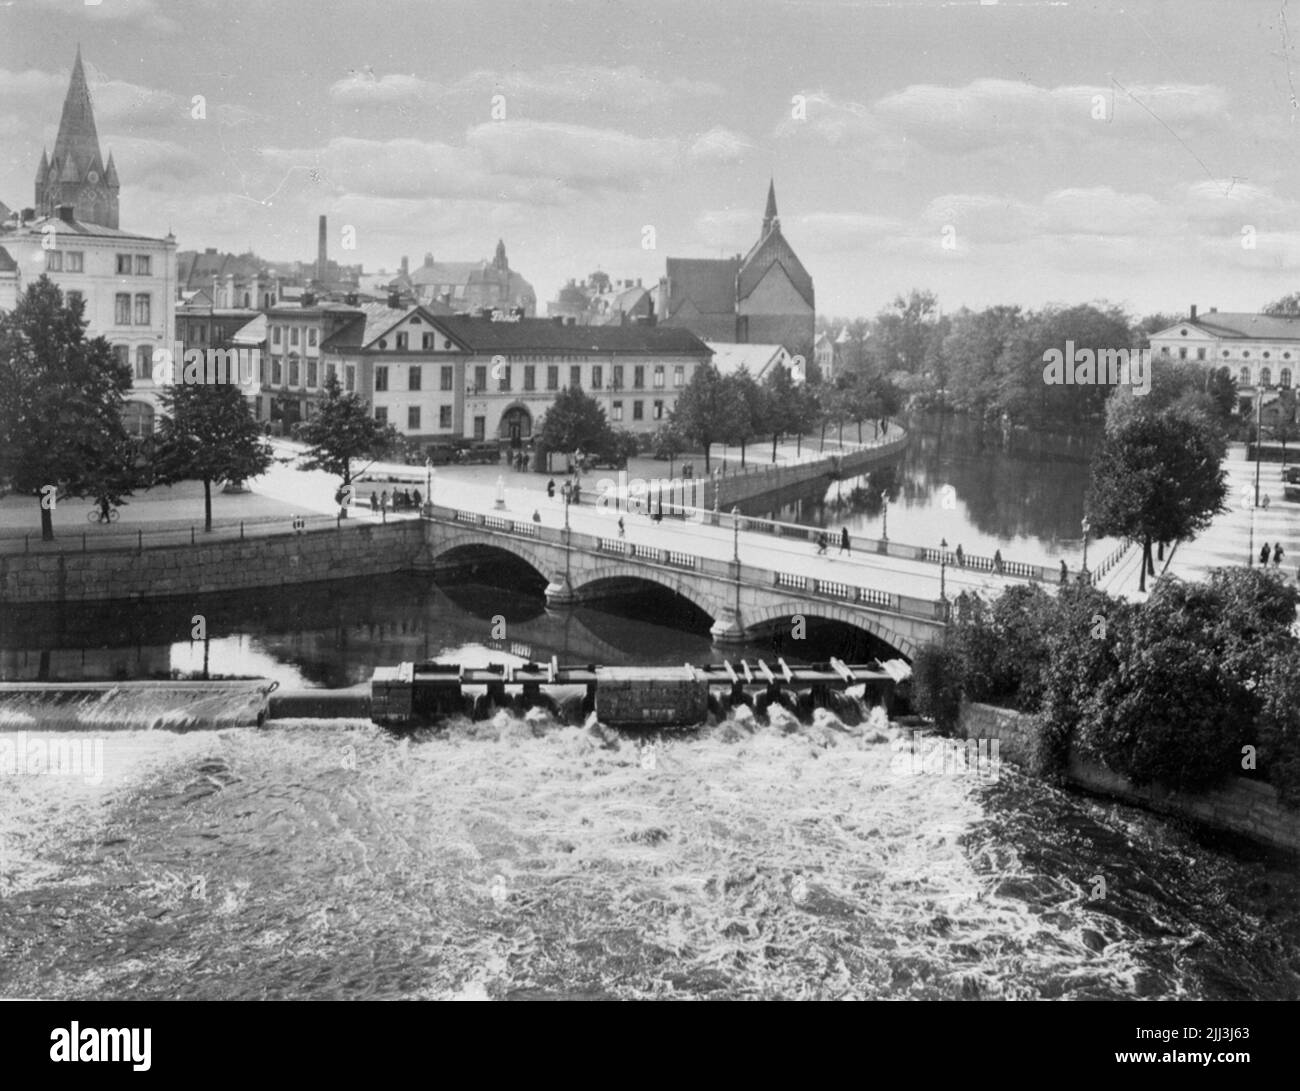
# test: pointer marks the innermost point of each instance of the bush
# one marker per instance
(936, 685)
(1279, 727)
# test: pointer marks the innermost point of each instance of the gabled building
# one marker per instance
(469, 286)
(758, 360)
(763, 297)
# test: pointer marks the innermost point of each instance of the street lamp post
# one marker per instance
(884, 529)
(1087, 526)
(735, 535)
(428, 480)
(943, 569)
(1259, 411)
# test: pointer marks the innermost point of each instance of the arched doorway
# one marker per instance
(516, 425)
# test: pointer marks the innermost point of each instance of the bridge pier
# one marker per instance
(728, 629)
(560, 593)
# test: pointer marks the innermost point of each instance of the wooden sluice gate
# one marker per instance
(415, 693)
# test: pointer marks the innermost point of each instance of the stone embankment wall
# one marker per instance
(1249, 808)
(759, 479)
(354, 549)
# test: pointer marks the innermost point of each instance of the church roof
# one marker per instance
(77, 145)
(772, 249)
(709, 283)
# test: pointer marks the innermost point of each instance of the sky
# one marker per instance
(1024, 153)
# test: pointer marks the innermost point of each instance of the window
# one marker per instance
(403, 341)
(293, 371)
(312, 373)
(1245, 376)
(73, 297)
(1200, 354)
(679, 376)
(530, 378)
(480, 428)
(446, 344)
(638, 377)
(426, 341)
(575, 377)
(383, 342)
(618, 376)
(261, 372)
(659, 377)
(446, 378)
(504, 382)
(275, 335)
(122, 309)
(413, 418)
(552, 378)
(381, 378)
(659, 410)
(1284, 377)
(1265, 377)
(617, 411)
(331, 372)
(142, 310)
(1182, 354)
(54, 261)
(480, 379)
(293, 336)
(597, 376)
(311, 337)
(413, 382)
(638, 410)
(122, 354)
(381, 414)
(142, 265)
(277, 371)
(444, 416)
(124, 265)
(76, 261)
(350, 377)
(1164, 350)
(144, 361)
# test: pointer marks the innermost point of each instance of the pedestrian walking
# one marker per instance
(537, 516)
(1277, 554)
(822, 543)
(383, 501)
(577, 493)
(997, 561)
(1065, 574)
(1266, 501)
(622, 530)
(961, 557)
(374, 501)
(844, 541)
(550, 489)
(1263, 555)
(417, 497)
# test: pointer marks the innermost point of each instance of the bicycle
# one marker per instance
(95, 515)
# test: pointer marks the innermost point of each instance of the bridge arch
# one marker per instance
(876, 625)
(470, 540)
(704, 602)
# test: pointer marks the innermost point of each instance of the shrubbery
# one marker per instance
(1168, 692)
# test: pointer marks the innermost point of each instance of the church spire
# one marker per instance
(770, 219)
(74, 172)
(77, 140)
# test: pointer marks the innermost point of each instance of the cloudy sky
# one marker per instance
(1143, 153)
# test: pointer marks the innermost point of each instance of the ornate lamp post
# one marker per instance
(1259, 436)
(943, 569)
(428, 480)
(1087, 526)
(884, 530)
(735, 535)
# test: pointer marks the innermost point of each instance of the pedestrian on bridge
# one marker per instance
(961, 557)
(997, 561)
(844, 542)
(622, 530)
(550, 489)
(1065, 574)
(374, 501)
(1263, 555)
(822, 543)
(1277, 554)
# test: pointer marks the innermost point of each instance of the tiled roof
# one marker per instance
(730, 357)
(76, 227)
(1242, 326)
(709, 283)
(771, 250)
(482, 335)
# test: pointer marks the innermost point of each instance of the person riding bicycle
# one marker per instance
(105, 509)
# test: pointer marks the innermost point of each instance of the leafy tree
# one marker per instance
(781, 411)
(343, 429)
(1156, 477)
(1279, 725)
(1286, 307)
(745, 418)
(61, 406)
(575, 421)
(667, 442)
(1284, 431)
(702, 408)
(208, 433)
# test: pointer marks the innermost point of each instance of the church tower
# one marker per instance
(770, 218)
(75, 174)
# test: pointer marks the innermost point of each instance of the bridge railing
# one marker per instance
(729, 571)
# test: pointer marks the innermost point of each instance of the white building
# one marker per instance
(1259, 350)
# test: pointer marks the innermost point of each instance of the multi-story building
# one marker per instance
(127, 282)
(483, 378)
(468, 286)
(291, 379)
(599, 301)
(1259, 350)
(763, 297)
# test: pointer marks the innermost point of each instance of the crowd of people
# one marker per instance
(401, 500)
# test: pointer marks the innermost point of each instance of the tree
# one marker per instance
(700, 414)
(343, 429)
(1286, 307)
(209, 434)
(746, 417)
(1156, 477)
(780, 405)
(61, 398)
(575, 421)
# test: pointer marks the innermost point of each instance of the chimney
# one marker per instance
(308, 298)
(65, 213)
(350, 299)
(406, 266)
(638, 282)
(321, 252)
(1193, 312)
(395, 297)
(1214, 310)
(29, 214)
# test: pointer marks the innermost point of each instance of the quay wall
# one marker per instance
(52, 574)
(1243, 806)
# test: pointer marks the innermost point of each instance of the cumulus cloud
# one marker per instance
(575, 154)
(718, 145)
(363, 88)
(601, 85)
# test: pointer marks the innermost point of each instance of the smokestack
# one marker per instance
(1193, 312)
(321, 253)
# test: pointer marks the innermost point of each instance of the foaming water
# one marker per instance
(522, 857)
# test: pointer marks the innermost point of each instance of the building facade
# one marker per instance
(467, 286)
(1259, 350)
(763, 297)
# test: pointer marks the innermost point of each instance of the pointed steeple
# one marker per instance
(78, 141)
(499, 261)
(43, 169)
(770, 219)
(110, 171)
